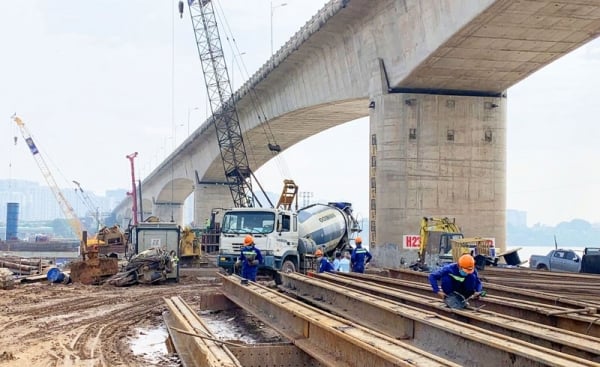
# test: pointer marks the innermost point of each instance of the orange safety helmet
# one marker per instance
(358, 240)
(318, 252)
(248, 240)
(467, 263)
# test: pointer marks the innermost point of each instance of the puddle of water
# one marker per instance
(150, 345)
(227, 330)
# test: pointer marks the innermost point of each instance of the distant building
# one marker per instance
(37, 202)
(516, 218)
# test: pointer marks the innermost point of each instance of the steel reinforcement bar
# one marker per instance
(458, 341)
(193, 341)
(329, 339)
(565, 341)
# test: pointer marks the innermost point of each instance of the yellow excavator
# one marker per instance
(436, 242)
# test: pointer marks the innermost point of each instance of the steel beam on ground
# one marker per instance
(533, 311)
(201, 350)
(513, 292)
(565, 341)
(460, 342)
(329, 339)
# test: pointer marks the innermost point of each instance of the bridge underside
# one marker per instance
(291, 128)
(506, 43)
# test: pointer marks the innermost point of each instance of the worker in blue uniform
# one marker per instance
(459, 282)
(325, 266)
(250, 258)
(360, 257)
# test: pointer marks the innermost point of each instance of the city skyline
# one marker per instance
(47, 209)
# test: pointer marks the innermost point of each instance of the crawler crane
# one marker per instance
(88, 270)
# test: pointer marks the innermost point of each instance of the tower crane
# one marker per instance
(66, 208)
(224, 113)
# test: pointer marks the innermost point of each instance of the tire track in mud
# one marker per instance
(89, 326)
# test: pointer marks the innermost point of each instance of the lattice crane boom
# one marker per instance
(224, 113)
(93, 208)
(66, 208)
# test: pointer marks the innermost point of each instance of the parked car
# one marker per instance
(568, 261)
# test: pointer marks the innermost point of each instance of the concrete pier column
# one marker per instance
(168, 212)
(209, 197)
(435, 155)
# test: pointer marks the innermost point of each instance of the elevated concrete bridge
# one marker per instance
(431, 76)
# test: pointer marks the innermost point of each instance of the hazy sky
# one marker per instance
(97, 80)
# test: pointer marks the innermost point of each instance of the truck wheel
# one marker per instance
(542, 267)
(288, 266)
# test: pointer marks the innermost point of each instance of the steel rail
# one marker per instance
(527, 273)
(565, 341)
(458, 341)
(542, 313)
(501, 290)
(329, 339)
(201, 350)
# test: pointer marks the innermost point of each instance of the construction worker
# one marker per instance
(336, 261)
(459, 282)
(250, 258)
(360, 257)
(345, 263)
(325, 266)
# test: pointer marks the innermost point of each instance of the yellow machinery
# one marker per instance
(88, 271)
(473, 246)
(436, 235)
(288, 195)
(190, 249)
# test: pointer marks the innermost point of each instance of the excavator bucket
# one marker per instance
(94, 270)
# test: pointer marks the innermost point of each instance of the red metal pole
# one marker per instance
(133, 192)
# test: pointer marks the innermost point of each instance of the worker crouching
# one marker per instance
(459, 282)
(250, 258)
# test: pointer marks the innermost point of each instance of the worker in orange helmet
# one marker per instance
(250, 258)
(360, 256)
(459, 282)
(325, 265)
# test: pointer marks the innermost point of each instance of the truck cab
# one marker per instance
(275, 233)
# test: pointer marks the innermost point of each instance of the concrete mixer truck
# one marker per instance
(287, 239)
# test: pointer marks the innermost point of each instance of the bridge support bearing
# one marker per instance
(436, 156)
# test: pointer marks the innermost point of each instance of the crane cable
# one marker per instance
(274, 148)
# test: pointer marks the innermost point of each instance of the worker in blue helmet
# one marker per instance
(360, 257)
(250, 258)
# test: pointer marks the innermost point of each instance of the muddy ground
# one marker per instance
(46, 324)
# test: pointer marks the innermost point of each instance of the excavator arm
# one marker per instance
(428, 225)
